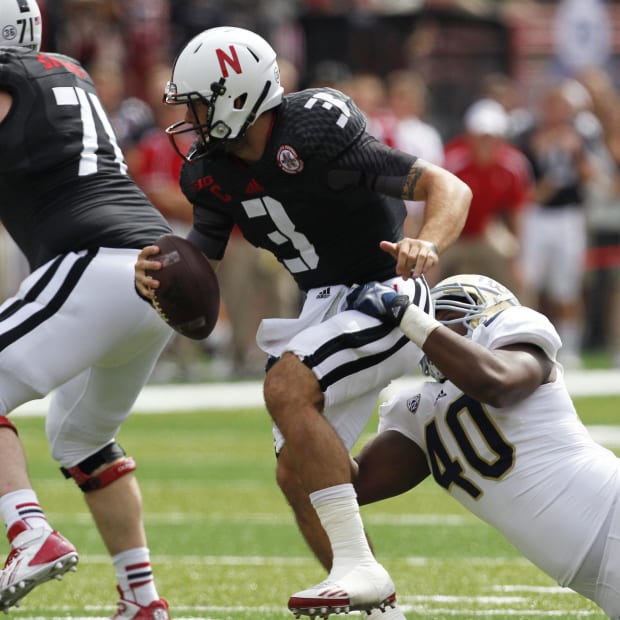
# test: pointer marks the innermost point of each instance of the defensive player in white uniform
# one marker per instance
(498, 430)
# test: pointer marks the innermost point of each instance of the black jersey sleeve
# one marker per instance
(208, 246)
(212, 223)
(371, 164)
(210, 233)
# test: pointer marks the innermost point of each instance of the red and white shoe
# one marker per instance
(364, 588)
(36, 556)
(127, 610)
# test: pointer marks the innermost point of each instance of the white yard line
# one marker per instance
(247, 394)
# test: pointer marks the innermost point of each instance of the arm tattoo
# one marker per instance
(417, 170)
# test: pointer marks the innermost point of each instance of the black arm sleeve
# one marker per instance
(373, 165)
(212, 245)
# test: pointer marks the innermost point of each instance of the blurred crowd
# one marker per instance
(545, 218)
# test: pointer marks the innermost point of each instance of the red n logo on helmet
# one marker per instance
(232, 60)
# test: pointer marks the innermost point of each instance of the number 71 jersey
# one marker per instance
(53, 92)
(63, 178)
(531, 470)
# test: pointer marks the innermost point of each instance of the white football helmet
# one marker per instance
(233, 72)
(475, 298)
(20, 24)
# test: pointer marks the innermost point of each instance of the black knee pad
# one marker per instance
(81, 472)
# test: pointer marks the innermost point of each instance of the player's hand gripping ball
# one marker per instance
(188, 296)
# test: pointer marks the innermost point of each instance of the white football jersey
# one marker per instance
(530, 470)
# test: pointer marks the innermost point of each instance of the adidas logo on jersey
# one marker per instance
(254, 187)
(441, 394)
(324, 294)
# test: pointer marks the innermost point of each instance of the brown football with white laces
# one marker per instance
(188, 296)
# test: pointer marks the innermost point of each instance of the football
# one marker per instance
(188, 297)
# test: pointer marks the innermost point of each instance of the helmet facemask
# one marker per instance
(210, 136)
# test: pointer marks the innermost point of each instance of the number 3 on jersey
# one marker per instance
(89, 106)
(284, 231)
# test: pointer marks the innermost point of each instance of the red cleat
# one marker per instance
(36, 556)
(364, 588)
(127, 610)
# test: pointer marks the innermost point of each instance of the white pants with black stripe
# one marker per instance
(77, 328)
(354, 356)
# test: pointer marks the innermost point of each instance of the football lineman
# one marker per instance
(300, 176)
(76, 326)
(498, 430)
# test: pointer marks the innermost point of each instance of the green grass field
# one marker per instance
(224, 546)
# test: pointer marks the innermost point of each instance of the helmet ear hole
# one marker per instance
(239, 102)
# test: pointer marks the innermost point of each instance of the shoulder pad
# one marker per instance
(519, 324)
(26, 64)
(324, 121)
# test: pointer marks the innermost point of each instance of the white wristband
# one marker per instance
(417, 325)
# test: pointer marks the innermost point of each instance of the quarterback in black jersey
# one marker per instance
(75, 327)
(300, 177)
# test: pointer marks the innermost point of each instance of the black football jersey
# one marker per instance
(63, 178)
(297, 201)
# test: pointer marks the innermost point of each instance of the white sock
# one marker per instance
(135, 576)
(21, 510)
(339, 514)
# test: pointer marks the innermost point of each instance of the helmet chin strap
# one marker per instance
(218, 89)
(252, 115)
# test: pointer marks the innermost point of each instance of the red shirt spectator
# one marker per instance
(501, 183)
(501, 179)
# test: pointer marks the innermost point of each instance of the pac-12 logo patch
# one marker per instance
(414, 403)
(288, 160)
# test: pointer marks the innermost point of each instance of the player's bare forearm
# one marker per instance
(499, 377)
(447, 201)
(388, 465)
